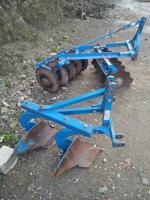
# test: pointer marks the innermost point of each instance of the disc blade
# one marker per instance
(123, 78)
(70, 70)
(48, 80)
(78, 154)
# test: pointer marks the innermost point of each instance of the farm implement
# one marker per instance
(56, 71)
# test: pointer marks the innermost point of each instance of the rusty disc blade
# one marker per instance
(62, 76)
(84, 64)
(41, 135)
(47, 79)
(78, 66)
(70, 70)
(123, 78)
(78, 154)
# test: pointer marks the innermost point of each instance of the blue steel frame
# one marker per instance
(93, 50)
(56, 113)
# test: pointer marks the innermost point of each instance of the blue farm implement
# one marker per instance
(57, 70)
(69, 139)
(75, 152)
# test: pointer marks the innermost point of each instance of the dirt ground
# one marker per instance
(116, 174)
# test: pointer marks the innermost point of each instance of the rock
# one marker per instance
(29, 92)
(19, 104)
(31, 174)
(83, 15)
(22, 88)
(103, 189)
(64, 88)
(5, 104)
(118, 175)
(1, 139)
(7, 159)
(144, 180)
(53, 99)
(4, 110)
(23, 76)
(128, 161)
(65, 37)
(77, 179)
(104, 160)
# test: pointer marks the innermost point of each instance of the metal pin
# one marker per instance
(40, 106)
(85, 125)
(66, 118)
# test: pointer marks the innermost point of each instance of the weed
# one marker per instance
(19, 56)
(10, 138)
(38, 59)
(24, 67)
(30, 37)
(7, 83)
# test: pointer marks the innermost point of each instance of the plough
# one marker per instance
(57, 70)
(75, 151)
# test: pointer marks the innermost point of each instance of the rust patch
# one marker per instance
(78, 154)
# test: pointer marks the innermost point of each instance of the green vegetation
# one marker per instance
(24, 67)
(19, 57)
(10, 138)
(7, 83)
(39, 59)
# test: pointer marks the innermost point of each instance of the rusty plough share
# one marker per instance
(75, 152)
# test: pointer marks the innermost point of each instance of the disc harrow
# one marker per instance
(57, 70)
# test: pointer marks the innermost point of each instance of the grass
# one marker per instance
(30, 37)
(7, 83)
(19, 56)
(10, 138)
(24, 67)
(39, 59)
(27, 35)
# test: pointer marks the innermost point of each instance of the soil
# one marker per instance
(116, 174)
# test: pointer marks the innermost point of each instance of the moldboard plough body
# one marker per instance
(75, 152)
(57, 70)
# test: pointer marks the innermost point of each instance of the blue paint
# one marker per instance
(60, 115)
(93, 50)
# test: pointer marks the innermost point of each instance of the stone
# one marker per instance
(104, 160)
(23, 76)
(8, 159)
(19, 104)
(103, 189)
(1, 139)
(4, 110)
(145, 180)
(5, 104)
(118, 175)
(64, 88)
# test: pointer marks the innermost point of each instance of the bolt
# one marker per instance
(85, 125)
(66, 118)
(109, 100)
(40, 106)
